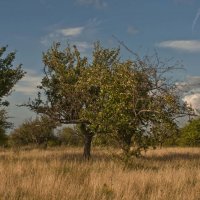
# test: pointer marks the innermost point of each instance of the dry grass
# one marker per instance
(165, 174)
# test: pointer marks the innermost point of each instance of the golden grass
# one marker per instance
(163, 174)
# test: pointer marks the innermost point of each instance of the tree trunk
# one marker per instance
(88, 135)
(87, 146)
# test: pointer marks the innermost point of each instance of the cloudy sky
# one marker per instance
(172, 27)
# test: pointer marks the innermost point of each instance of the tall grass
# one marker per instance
(164, 174)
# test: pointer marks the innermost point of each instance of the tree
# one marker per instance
(9, 76)
(3, 126)
(165, 133)
(34, 132)
(135, 99)
(190, 133)
(63, 95)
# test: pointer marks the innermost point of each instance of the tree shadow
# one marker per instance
(173, 157)
(69, 157)
(78, 157)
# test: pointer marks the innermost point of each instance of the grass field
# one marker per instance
(164, 174)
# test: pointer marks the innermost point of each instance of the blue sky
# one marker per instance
(172, 27)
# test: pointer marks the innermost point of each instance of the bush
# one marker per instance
(34, 132)
(190, 134)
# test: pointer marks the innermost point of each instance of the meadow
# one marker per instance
(61, 173)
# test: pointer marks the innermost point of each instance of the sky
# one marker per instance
(29, 27)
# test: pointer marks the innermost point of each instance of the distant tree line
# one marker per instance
(41, 133)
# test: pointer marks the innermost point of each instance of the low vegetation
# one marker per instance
(190, 134)
(61, 173)
(37, 132)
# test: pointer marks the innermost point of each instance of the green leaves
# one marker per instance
(8, 75)
(38, 131)
(190, 133)
(8, 78)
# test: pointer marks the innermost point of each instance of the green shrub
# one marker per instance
(34, 132)
(190, 134)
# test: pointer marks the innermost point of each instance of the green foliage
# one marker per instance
(190, 134)
(63, 100)
(136, 104)
(8, 75)
(37, 132)
(3, 126)
(164, 134)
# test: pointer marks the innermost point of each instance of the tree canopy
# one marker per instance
(190, 133)
(63, 94)
(9, 75)
(134, 99)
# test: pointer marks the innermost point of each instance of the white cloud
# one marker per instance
(190, 85)
(81, 36)
(182, 45)
(193, 100)
(61, 34)
(70, 31)
(190, 91)
(82, 46)
(28, 84)
(96, 3)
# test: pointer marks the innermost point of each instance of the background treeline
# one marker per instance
(42, 132)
